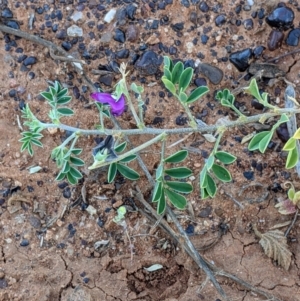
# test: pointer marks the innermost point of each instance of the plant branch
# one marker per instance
(153, 131)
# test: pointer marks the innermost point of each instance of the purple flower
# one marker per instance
(117, 107)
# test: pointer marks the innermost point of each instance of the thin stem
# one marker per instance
(191, 117)
(68, 140)
(153, 131)
(131, 152)
(101, 120)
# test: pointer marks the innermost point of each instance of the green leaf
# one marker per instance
(119, 148)
(182, 96)
(64, 100)
(66, 167)
(167, 74)
(254, 143)
(29, 149)
(179, 172)
(226, 103)
(291, 193)
(203, 179)
(169, 85)
(204, 194)
(159, 172)
(254, 91)
(178, 200)
(177, 157)
(225, 157)
(112, 171)
(297, 134)
(128, 159)
(209, 162)
(221, 173)
(197, 93)
(71, 179)
(36, 142)
(75, 173)
(60, 176)
(290, 144)
(263, 144)
(53, 91)
(161, 206)
(168, 63)
(185, 78)
(65, 111)
(292, 158)
(76, 151)
(47, 95)
(158, 190)
(57, 86)
(211, 187)
(76, 161)
(180, 186)
(128, 172)
(176, 72)
(62, 93)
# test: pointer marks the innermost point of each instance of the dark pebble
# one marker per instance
(31, 75)
(106, 80)
(76, 92)
(21, 104)
(31, 60)
(257, 51)
(12, 24)
(12, 93)
(205, 212)
(67, 192)
(204, 7)
(62, 34)
(185, 3)
(275, 39)
(3, 283)
(148, 63)
(61, 245)
(293, 37)
(181, 120)
(193, 17)
(238, 22)
(122, 54)
(238, 9)
(190, 229)
(249, 175)
(130, 11)
(66, 45)
(283, 133)
(204, 39)
(24, 243)
(281, 17)
(255, 104)
(172, 50)
(83, 274)
(34, 222)
(121, 17)
(240, 59)
(178, 26)
(30, 188)
(2, 201)
(220, 20)
(214, 74)
(62, 185)
(6, 13)
(132, 33)
(100, 222)
(248, 24)
(261, 13)
(39, 10)
(200, 82)
(86, 280)
(158, 120)
(119, 36)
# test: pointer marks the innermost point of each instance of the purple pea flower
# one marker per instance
(117, 107)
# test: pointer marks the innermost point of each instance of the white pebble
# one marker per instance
(250, 2)
(74, 31)
(110, 15)
(77, 16)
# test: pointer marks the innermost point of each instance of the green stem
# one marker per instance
(139, 124)
(135, 150)
(153, 131)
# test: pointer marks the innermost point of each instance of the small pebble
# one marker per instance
(204, 7)
(204, 213)
(249, 175)
(74, 31)
(67, 192)
(275, 39)
(119, 36)
(213, 73)
(293, 37)
(240, 59)
(281, 17)
(24, 243)
(3, 284)
(31, 60)
(190, 229)
(248, 24)
(220, 20)
(110, 15)
(6, 13)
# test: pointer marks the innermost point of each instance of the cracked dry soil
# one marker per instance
(61, 262)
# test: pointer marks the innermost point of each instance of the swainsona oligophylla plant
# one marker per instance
(111, 151)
